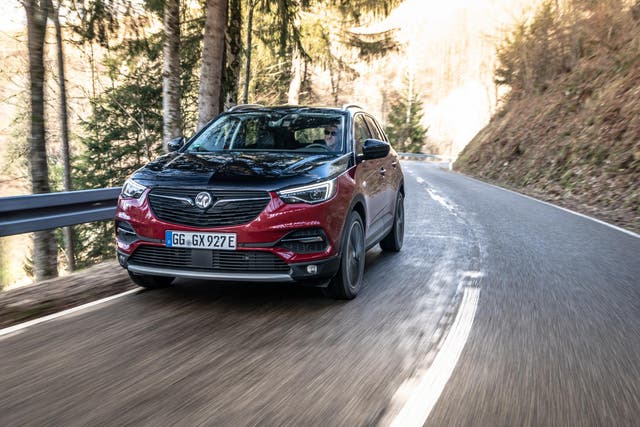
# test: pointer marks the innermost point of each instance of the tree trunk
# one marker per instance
(69, 241)
(171, 71)
(296, 77)
(45, 257)
(410, 96)
(233, 54)
(212, 61)
(247, 65)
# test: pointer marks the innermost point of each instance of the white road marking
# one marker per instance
(428, 386)
(629, 232)
(420, 180)
(420, 235)
(473, 274)
(15, 328)
(438, 198)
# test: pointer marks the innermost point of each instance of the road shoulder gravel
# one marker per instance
(54, 295)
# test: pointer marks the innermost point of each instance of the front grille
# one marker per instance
(208, 260)
(233, 207)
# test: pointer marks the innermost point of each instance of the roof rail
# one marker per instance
(347, 106)
(242, 106)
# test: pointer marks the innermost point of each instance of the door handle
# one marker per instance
(394, 164)
(383, 171)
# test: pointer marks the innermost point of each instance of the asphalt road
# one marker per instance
(555, 340)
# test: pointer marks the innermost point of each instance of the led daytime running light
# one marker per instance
(311, 194)
(132, 189)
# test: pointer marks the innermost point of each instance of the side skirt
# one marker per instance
(382, 232)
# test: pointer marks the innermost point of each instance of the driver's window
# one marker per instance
(361, 133)
(374, 129)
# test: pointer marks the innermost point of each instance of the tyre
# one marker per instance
(150, 282)
(392, 242)
(347, 282)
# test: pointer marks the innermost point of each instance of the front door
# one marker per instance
(370, 177)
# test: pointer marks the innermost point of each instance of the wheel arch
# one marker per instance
(359, 206)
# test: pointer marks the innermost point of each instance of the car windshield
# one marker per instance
(310, 131)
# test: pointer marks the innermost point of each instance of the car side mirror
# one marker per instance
(175, 144)
(374, 149)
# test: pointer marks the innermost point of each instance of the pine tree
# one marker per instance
(125, 129)
(404, 126)
(124, 133)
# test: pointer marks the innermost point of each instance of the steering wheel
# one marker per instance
(315, 145)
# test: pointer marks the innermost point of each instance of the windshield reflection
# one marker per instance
(273, 132)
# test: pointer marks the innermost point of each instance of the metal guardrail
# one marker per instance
(422, 156)
(25, 214)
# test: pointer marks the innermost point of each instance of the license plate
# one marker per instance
(188, 239)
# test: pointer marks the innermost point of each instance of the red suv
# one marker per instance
(266, 194)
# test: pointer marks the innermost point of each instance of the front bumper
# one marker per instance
(261, 255)
(300, 272)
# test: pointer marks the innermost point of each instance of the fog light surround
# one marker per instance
(122, 260)
(125, 234)
(305, 241)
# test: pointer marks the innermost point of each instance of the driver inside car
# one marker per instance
(332, 137)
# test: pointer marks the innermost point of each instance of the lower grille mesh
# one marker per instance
(208, 260)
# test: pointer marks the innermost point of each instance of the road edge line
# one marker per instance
(11, 329)
(615, 227)
(430, 386)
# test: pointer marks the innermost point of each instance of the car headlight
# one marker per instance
(132, 189)
(312, 194)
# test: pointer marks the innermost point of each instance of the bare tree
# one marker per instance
(69, 243)
(171, 70)
(209, 94)
(45, 249)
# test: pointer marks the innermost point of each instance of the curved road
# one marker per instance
(555, 339)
